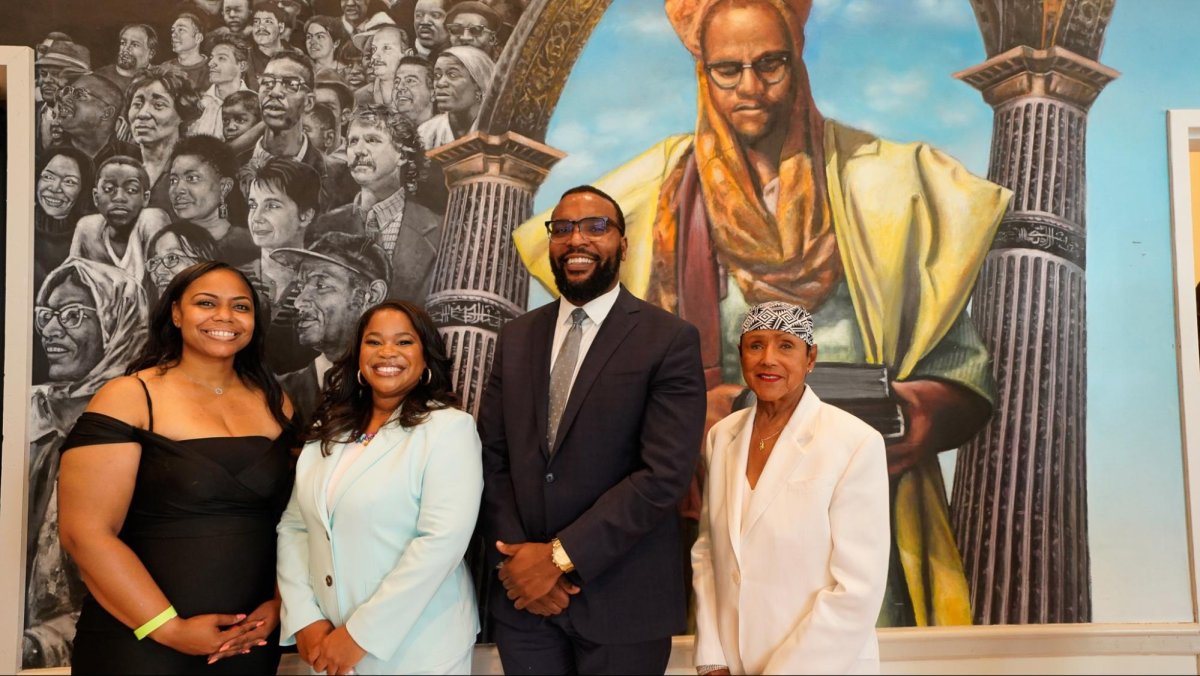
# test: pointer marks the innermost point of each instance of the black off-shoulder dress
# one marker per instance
(202, 519)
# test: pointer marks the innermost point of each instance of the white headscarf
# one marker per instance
(478, 64)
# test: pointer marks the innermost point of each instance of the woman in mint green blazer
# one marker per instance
(387, 493)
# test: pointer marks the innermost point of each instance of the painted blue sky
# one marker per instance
(886, 66)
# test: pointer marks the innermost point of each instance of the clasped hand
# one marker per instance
(220, 635)
(329, 650)
(532, 581)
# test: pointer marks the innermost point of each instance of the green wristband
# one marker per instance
(155, 622)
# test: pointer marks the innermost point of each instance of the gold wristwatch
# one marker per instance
(559, 556)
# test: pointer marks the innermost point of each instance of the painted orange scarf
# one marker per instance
(790, 255)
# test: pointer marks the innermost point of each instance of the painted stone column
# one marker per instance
(479, 282)
(1019, 502)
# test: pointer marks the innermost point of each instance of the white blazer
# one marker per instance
(385, 559)
(794, 586)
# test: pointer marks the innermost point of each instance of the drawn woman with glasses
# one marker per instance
(175, 247)
(91, 321)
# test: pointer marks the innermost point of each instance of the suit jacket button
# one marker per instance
(549, 477)
(328, 580)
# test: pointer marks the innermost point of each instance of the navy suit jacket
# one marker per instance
(627, 445)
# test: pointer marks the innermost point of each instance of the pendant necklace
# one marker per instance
(216, 390)
(365, 438)
(762, 442)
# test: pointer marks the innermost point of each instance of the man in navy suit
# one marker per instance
(591, 425)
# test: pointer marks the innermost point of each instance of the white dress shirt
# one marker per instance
(597, 309)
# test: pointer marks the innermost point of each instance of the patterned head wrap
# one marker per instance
(776, 315)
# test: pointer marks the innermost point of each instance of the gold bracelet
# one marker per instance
(155, 622)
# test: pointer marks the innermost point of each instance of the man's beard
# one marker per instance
(600, 280)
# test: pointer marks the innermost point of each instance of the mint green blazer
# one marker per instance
(385, 557)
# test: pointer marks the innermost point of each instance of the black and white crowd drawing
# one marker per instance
(285, 137)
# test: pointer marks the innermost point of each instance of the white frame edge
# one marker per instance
(18, 350)
(1182, 127)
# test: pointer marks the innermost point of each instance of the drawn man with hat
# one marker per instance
(474, 24)
(59, 61)
(340, 276)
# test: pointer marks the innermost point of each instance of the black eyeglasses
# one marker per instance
(457, 30)
(73, 92)
(70, 316)
(592, 227)
(290, 83)
(170, 261)
(770, 69)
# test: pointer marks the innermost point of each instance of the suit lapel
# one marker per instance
(539, 355)
(737, 449)
(620, 321)
(320, 478)
(390, 437)
(793, 444)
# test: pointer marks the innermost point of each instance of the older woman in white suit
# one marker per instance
(387, 492)
(792, 558)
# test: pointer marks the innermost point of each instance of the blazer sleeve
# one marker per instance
(501, 521)
(672, 432)
(450, 490)
(829, 638)
(708, 650)
(300, 607)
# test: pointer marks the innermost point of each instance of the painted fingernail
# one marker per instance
(261, 623)
(241, 616)
(261, 643)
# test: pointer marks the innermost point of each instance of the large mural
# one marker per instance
(343, 152)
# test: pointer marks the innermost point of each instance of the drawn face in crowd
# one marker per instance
(284, 104)
(274, 219)
(133, 51)
(237, 120)
(319, 43)
(267, 31)
(185, 35)
(429, 20)
(58, 186)
(152, 115)
(72, 337)
(167, 257)
(330, 301)
(375, 162)
(387, 47)
(120, 195)
(236, 15)
(196, 188)
(412, 97)
(472, 30)
(453, 89)
(223, 65)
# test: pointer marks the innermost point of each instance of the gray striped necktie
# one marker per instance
(564, 368)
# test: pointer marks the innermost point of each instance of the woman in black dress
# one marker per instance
(170, 487)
